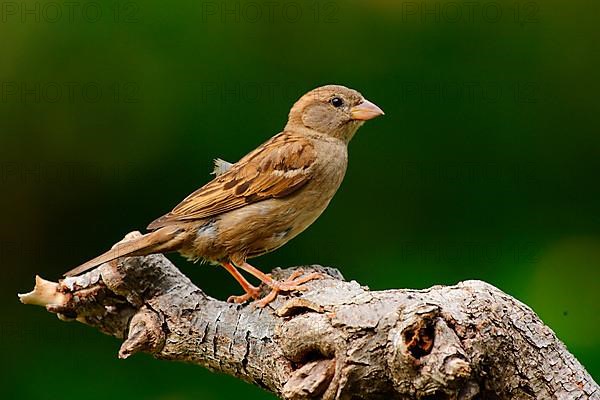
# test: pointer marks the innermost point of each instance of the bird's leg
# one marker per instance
(293, 282)
(252, 292)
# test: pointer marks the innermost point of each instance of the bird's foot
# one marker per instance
(252, 292)
(295, 282)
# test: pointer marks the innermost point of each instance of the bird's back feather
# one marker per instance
(276, 169)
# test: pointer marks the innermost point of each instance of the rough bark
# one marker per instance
(338, 340)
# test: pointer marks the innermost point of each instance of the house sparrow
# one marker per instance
(265, 199)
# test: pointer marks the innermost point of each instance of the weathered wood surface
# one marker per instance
(338, 340)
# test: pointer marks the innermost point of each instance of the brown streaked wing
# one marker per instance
(276, 169)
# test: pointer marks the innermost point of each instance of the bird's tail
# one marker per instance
(162, 240)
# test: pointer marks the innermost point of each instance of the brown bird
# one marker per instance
(265, 199)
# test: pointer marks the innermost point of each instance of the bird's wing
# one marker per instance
(276, 169)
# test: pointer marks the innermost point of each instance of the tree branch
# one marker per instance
(336, 341)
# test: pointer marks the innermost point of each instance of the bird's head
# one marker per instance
(332, 110)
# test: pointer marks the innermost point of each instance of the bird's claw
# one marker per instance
(295, 282)
(251, 293)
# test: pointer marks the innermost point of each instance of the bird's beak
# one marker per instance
(365, 111)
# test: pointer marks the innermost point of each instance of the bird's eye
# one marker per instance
(337, 102)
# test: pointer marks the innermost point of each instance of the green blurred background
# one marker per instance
(485, 165)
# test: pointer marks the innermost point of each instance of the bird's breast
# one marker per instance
(330, 166)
